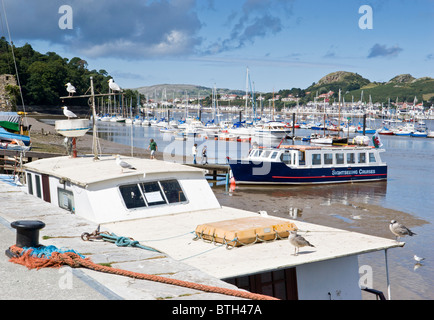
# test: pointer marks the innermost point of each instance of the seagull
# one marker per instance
(418, 259)
(298, 241)
(68, 113)
(114, 86)
(400, 230)
(123, 164)
(70, 88)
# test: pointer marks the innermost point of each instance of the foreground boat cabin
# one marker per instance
(162, 205)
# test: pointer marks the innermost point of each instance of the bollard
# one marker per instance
(27, 233)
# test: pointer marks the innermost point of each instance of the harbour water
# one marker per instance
(407, 196)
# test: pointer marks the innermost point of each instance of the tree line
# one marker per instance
(43, 76)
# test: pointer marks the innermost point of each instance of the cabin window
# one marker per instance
(29, 183)
(362, 157)
(132, 196)
(328, 158)
(153, 194)
(286, 158)
(316, 159)
(339, 158)
(266, 153)
(301, 158)
(65, 199)
(372, 157)
(351, 158)
(173, 192)
(38, 186)
(274, 154)
(255, 153)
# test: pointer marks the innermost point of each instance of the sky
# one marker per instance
(283, 43)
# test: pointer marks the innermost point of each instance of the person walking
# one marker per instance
(153, 147)
(194, 152)
(204, 156)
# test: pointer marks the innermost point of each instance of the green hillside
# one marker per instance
(402, 87)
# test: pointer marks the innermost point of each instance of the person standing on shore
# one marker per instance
(194, 152)
(204, 156)
(153, 147)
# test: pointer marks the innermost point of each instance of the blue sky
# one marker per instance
(284, 43)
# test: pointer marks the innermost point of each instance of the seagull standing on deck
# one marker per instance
(68, 113)
(123, 164)
(298, 241)
(399, 230)
(70, 88)
(114, 86)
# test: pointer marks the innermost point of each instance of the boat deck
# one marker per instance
(176, 239)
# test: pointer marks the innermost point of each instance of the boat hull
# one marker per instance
(249, 172)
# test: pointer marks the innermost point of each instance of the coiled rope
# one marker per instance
(74, 260)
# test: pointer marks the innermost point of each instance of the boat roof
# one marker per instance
(344, 147)
(84, 171)
(174, 234)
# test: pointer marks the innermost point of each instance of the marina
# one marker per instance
(282, 198)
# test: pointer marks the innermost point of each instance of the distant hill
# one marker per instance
(403, 87)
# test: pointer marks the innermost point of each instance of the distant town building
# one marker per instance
(5, 80)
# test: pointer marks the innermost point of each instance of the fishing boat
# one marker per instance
(173, 207)
(298, 164)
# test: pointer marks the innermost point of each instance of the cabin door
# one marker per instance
(46, 188)
(281, 284)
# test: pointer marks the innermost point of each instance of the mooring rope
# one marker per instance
(74, 260)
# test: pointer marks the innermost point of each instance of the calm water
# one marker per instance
(409, 189)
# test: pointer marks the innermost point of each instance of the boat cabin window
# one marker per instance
(132, 196)
(362, 157)
(316, 159)
(266, 153)
(372, 157)
(339, 158)
(38, 186)
(274, 155)
(173, 192)
(286, 158)
(328, 158)
(153, 193)
(29, 183)
(301, 158)
(351, 158)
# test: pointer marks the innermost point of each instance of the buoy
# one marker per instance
(232, 184)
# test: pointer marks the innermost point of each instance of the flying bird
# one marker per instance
(399, 230)
(298, 241)
(114, 86)
(70, 88)
(123, 164)
(68, 113)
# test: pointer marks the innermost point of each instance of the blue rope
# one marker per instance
(125, 242)
(47, 251)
